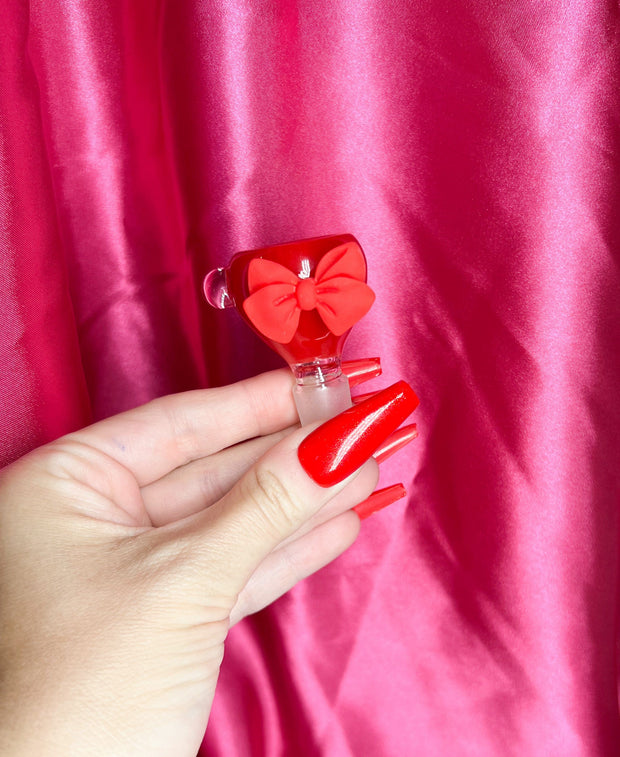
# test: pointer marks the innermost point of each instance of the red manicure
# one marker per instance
(358, 371)
(363, 397)
(380, 499)
(342, 444)
(399, 439)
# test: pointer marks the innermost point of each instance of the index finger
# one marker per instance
(171, 431)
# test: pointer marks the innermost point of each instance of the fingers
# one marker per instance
(154, 439)
(189, 488)
(169, 432)
(294, 480)
(285, 567)
(266, 506)
(192, 487)
(349, 498)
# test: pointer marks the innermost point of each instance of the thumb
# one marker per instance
(294, 480)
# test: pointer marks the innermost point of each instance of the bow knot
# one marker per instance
(306, 294)
(338, 292)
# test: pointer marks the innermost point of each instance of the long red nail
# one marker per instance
(363, 397)
(342, 444)
(358, 371)
(399, 439)
(380, 499)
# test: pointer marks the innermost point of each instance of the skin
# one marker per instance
(127, 551)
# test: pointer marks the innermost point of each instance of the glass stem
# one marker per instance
(321, 390)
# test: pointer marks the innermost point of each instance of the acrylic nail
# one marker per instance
(363, 397)
(396, 441)
(358, 371)
(342, 444)
(379, 499)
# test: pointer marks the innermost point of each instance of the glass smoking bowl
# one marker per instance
(301, 298)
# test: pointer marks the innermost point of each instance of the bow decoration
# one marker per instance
(337, 292)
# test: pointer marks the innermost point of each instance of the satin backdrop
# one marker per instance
(472, 148)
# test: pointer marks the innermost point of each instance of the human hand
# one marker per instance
(128, 549)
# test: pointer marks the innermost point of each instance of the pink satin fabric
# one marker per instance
(473, 149)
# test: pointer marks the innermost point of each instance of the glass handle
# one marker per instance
(216, 289)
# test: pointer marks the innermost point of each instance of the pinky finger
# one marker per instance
(285, 567)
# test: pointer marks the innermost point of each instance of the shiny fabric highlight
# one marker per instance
(473, 149)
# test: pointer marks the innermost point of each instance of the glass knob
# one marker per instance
(216, 290)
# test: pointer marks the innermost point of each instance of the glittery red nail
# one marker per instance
(342, 444)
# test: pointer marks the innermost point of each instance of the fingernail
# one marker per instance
(342, 444)
(399, 439)
(358, 371)
(364, 397)
(380, 499)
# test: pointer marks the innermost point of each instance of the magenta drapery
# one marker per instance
(473, 149)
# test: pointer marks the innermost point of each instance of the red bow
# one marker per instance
(337, 292)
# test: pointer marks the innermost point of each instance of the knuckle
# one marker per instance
(65, 458)
(278, 507)
(183, 429)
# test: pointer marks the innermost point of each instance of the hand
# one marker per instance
(129, 548)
